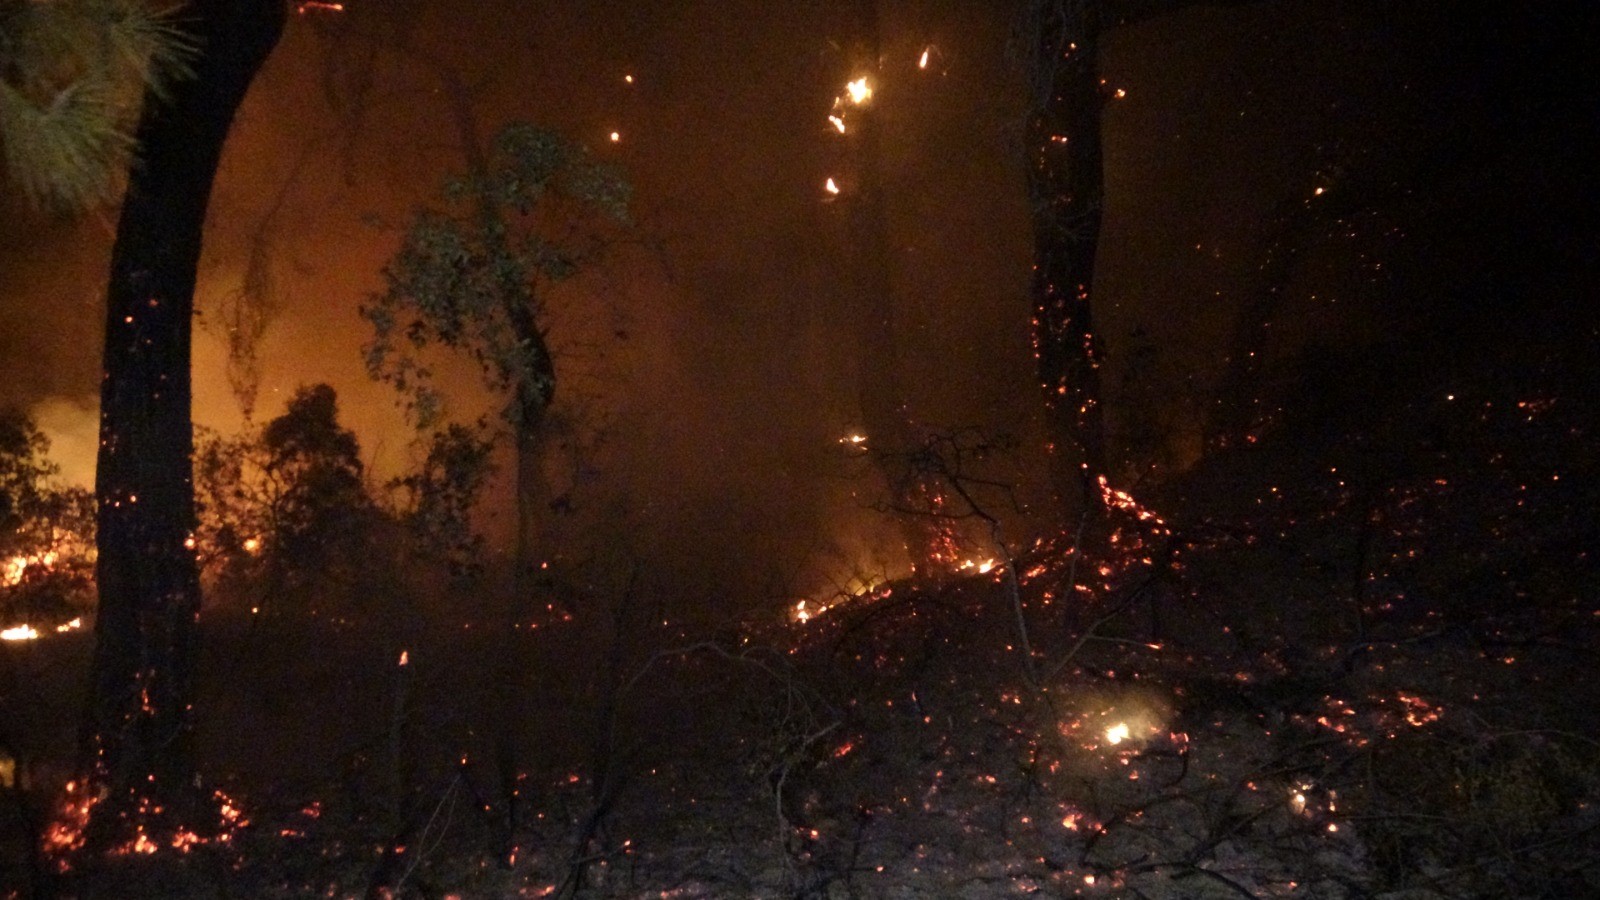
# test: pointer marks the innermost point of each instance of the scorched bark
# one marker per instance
(137, 726)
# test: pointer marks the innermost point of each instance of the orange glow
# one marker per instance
(859, 91)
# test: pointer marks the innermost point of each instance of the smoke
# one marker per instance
(73, 426)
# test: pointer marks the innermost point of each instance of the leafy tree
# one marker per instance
(473, 276)
(285, 510)
(71, 75)
(46, 532)
(137, 725)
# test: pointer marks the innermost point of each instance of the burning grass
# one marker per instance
(1296, 685)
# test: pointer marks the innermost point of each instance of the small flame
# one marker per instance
(859, 91)
(831, 187)
(923, 62)
(1118, 733)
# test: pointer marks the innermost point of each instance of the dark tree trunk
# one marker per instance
(137, 728)
(1066, 188)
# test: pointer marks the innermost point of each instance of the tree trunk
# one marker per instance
(880, 390)
(136, 736)
(1066, 185)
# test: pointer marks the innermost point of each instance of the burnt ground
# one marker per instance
(1345, 663)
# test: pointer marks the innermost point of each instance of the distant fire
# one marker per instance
(29, 633)
(16, 568)
(13, 573)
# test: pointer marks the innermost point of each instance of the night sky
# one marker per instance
(712, 369)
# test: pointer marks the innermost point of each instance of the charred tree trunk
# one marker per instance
(136, 735)
(1066, 186)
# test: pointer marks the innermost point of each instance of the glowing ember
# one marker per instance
(831, 187)
(252, 545)
(859, 91)
(923, 62)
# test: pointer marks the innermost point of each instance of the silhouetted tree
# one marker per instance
(137, 728)
(285, 511)
(1063, 144)
(46, 531)
(1066, 186)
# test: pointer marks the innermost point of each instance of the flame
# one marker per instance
(859, 91)
(838, 123)
(831, 187)
(19, 633)
(1118, 733)
(17, 566)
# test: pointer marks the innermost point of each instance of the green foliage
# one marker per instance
(72, 73)
(46, 532)
(471, 275)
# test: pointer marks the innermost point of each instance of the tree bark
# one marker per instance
(1066, 185)
(137, 728)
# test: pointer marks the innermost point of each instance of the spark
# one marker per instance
(832, 187)
(616, 137)
(923, 62)
(318, 5)
(838, 123)
(628, 79)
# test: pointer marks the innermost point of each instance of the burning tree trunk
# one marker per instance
(1066, 187)
(136, 735)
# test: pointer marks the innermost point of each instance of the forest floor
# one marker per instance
(1345, 672)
